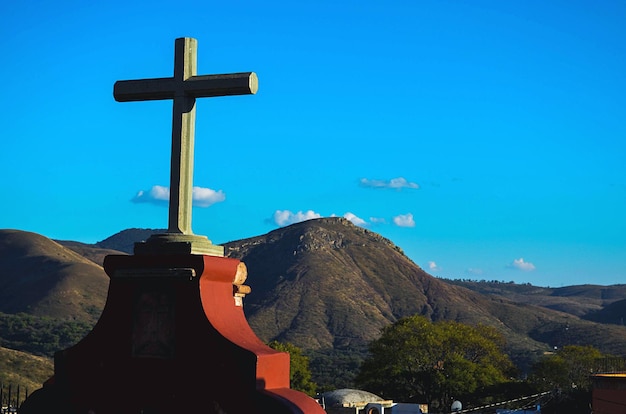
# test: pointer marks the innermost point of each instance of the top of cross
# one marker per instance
(183, 88)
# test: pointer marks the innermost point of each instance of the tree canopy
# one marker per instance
(416, 360)
(567, 373)
(299, 372)
(568, 368)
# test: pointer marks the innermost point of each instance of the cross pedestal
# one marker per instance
(173, 337)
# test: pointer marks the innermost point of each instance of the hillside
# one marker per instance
(89, 251)
(21, 368)
(41, 277)
(579, 300)
(614, 313)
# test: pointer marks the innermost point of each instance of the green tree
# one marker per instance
(568, 368)
(567, 373)
(299, 372)
(416, 360)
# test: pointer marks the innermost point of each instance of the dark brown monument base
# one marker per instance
(172, 338)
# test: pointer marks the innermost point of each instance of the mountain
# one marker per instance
(125, 240)
(326, 286)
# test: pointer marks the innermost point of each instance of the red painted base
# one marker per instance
(172, 338)
(609, 393)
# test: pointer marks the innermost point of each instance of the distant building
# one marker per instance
(347, 400)
(350, 401)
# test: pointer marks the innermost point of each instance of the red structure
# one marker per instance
(172, 338)
(609, 394)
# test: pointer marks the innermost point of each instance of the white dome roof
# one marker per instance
(342, 396)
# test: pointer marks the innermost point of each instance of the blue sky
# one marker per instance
(484, 138)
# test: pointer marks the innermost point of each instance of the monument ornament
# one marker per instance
(183, 88)
(173, 336)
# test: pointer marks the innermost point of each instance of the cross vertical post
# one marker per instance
(183, 131)
(183, 88)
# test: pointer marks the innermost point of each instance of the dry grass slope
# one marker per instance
(24, 369)
(41, 277)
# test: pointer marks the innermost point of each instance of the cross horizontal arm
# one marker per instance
(144, 89)
(244, 83)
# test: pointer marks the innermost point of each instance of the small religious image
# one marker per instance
(153, 325)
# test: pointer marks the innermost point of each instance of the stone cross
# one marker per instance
(183, 88)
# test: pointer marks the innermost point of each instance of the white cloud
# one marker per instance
(397, 183)
(355, 220)
(522, 265)
(404, 220)
(433, 266)
(474, 271)
(205, 197)
(158, 194)
(201, 197)
(286, 217)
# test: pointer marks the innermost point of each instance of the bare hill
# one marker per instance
(40, 277)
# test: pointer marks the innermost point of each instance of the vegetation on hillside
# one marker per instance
(40, 335)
